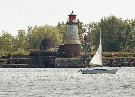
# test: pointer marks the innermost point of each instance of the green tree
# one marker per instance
(21, 45)
(37, 34)
(116, 34)
(6, 44)
(62, 28)
(80, 27)
(130, 43)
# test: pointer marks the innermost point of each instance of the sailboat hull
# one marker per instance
(96, 71)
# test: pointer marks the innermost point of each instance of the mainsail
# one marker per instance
(97, 59)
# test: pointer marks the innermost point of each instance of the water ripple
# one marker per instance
(65, 82)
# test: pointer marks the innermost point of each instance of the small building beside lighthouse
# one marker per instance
(68, 54)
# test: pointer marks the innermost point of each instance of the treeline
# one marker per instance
(28, 39)
(117, 36)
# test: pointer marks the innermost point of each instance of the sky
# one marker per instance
(19, 14)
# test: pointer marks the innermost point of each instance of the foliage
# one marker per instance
(21, 44)
(118, 35)
(6, 44)
(62, 28)
(37, 34)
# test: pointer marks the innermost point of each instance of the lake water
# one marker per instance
(65, 82)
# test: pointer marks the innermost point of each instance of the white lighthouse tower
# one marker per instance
(69, 51)
(71, 46)
(72, 36)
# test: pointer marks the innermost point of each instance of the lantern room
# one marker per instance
(72, 17)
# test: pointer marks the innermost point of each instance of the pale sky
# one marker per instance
(19, 14)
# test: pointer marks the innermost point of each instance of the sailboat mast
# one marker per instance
(100, 41)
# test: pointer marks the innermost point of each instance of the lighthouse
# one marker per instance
(68, 54)
(72, 36)
(71, 46)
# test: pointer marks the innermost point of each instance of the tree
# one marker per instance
(36, 35)
(21, 44)
(6, 44)
(116, 34)
(62, 28)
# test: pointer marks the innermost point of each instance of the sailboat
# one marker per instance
(97, 63)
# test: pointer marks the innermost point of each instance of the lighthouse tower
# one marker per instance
(71, 46)
(68, 54)
(72, 31)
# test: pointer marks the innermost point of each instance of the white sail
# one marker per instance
(97, 59)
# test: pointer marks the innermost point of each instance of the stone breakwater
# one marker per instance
(77, 63)
(107, 61)
(119, 61)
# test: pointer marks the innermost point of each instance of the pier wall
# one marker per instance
(47, 62)
(68, 63)
(79, 63)
(119, 61)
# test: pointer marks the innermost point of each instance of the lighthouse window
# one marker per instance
(70, 27)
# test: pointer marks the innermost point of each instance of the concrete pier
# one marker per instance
(68, 63)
